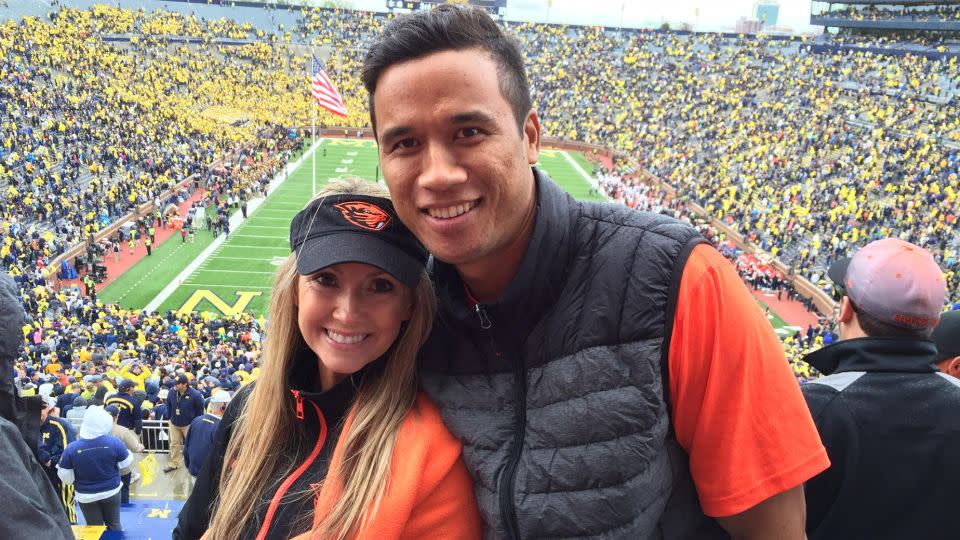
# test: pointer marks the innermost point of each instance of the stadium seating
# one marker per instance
(806, 152)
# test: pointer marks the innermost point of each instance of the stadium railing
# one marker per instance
(154, 435)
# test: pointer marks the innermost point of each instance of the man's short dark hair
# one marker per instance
(444, 28)
(874, 327)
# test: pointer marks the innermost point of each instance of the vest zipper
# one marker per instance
(484, 320)
(508, 510)
(285, 486)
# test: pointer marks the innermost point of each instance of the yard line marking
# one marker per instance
(342, 169)
(248, 259)
(263, 227)
(244, 246)
(242, 235)
(346, 161)
(235, 221)
(226, 286)
(590, 180)
(217, 271)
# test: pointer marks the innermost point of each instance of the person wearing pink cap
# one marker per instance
(887, 416)
(947, 337)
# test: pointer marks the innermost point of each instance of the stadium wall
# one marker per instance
(843, 22)
(819, 48)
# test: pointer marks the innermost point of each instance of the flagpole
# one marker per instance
(313, 138)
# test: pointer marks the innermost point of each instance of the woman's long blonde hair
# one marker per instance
(267, 422)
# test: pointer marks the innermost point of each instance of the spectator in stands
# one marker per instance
(77, 411)
(160, 410)
(886, 416)
(183, 405)
(524, 273)
(947, 337)
(132, 442)
(350, 307)
(55, 434)
(128, 404)
(29, 500)
(199, 440)
(93, 464)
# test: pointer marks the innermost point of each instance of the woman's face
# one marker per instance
(349, 315)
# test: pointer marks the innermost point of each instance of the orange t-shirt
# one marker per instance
(737, 407)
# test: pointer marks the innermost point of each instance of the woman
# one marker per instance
(334, 440)
(93, 463)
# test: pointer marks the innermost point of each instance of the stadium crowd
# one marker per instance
(890, 13)
(807, 155)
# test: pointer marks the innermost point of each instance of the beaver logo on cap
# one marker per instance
(364, 214)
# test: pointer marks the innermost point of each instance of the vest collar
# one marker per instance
(875, 354)
(539, 278)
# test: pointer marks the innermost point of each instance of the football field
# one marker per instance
(227, 276)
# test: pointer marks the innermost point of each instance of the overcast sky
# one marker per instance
(711, 15)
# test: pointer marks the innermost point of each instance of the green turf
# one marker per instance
(569, 177)
(239, 273)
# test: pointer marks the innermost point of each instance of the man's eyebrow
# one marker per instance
(459, 118)
(393, 132)
(472, 116)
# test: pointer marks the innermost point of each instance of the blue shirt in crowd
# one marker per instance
(95, 463)
(199, 442)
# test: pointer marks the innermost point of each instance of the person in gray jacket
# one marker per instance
(609, 374)
(29, 500)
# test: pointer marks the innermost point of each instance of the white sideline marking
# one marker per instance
(235, 221)
(590, 180)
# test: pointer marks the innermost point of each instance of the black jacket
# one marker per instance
(891, 425)
(29, 500)
(293, 514)
(130, 416)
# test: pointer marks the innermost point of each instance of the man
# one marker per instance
(947, 337)
(886, 415)
(596, 392)
(200, 437)
(77, 411)
(160, 410)
(132, 442)
(55, 434)
(183, 405)
(29, 500)
(128, 404)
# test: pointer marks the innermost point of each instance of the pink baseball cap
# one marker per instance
(895, 281)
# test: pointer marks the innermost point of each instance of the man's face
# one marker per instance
(44, 412)
(181, 387)
(456, 164)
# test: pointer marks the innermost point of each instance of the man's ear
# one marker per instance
(531, 134)
(846, 311)
(953, 367)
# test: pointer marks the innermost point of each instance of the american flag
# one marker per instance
(322, 90)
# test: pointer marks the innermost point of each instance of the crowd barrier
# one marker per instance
(154, 435)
